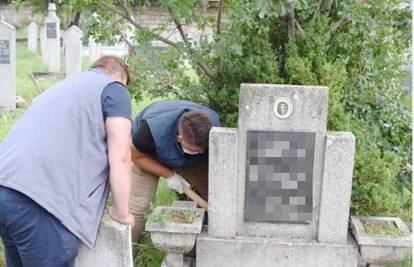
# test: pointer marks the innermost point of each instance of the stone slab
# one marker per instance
(383, 254)
(381, 249)
(94, 50)
(336, 187)
(43, 48)
(7, 65)
(270, 252)
(222, 182)
(113, 247)
(176, 243)
(259, 111)
(32, 37)
(188, 262)
(364, 239)
(184, 204)
(73, 50)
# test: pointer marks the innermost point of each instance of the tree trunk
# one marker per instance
(77, 19)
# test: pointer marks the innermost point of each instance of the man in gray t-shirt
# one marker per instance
(55, 163)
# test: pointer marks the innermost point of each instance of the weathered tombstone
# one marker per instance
(7, 65)
(73, 50)
(32, 37)
(53, 39)
(62, 39)
(113, 247)
(280, 184)
(43, 44)
(94, 50)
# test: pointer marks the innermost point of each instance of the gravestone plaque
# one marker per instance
(4, 52)
(279, 176)
(51, 30)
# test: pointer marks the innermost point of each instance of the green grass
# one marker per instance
(407, 262)
(166, 216)
(373, 227)
(145, 255)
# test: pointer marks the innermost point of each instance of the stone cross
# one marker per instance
(53, 39)
(280, 184)
(43, 44)
(32, 37)
(73, 50)
(7, 65)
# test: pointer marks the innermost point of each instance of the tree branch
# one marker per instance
(294, 27)
(180, 29)
(132, 49)
(131, 20)
(219, 14)
(77, 19)
(128, 17)
(207, 70)
(339, 23)
(326, 6)
(291, 23)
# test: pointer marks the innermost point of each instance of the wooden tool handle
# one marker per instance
(195, 197)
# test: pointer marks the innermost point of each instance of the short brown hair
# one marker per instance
(195, 127)
(111, 64)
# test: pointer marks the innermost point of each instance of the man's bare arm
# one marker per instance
(119, 133)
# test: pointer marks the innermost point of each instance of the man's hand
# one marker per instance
(128, 219)
(176, 182)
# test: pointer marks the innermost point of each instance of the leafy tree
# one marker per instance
(358, 48)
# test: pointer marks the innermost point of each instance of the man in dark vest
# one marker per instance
(55, 163)
(169, 139)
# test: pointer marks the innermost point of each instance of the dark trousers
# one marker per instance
(32, 237)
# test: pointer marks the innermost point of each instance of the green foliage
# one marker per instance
(166, 216)
(145, 254)
(357, 49)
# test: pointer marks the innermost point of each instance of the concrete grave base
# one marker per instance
(270, 252)
(113, 247)
(381, 249)
(187, 262)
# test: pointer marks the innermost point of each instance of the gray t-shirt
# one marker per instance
(115, 101)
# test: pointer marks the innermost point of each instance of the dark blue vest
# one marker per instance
(163, 118)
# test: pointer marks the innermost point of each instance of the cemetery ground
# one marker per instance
(145, 255)
(144, 252)
(28, 88)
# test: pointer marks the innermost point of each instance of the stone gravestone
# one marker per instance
(94, 50)
(7, 65)
(113, 247)
(52, 23)
(280, 184)
(32, 37)
(73, 50)
(43, 44)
